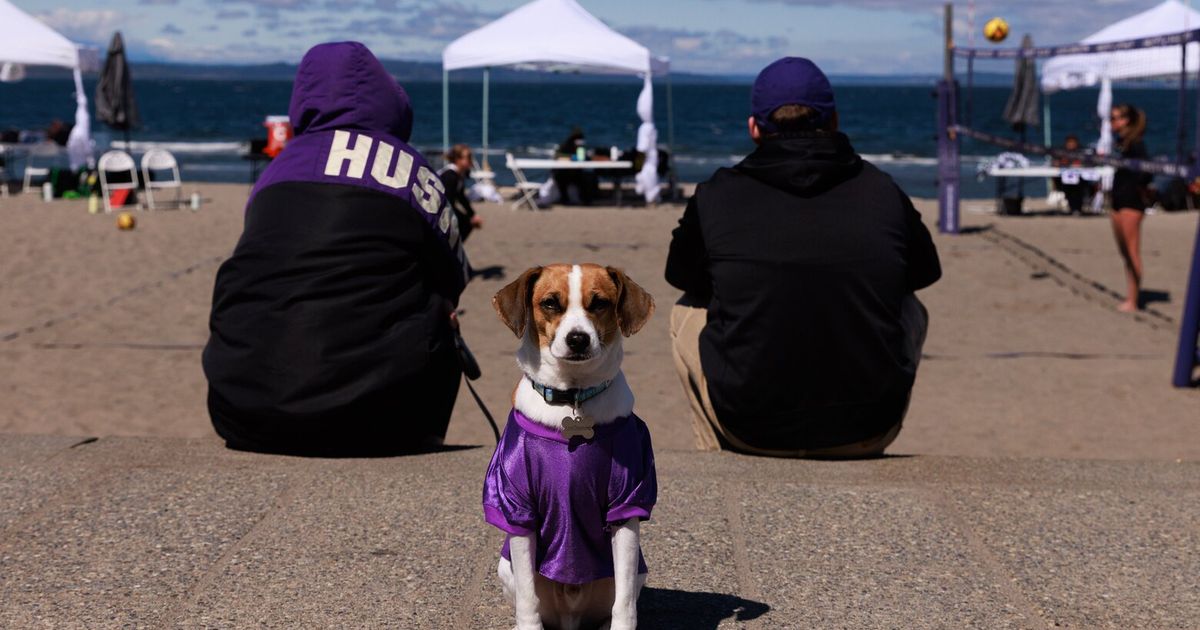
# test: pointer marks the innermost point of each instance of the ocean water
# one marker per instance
(208, 123)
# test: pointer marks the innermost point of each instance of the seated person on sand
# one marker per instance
(575, 186)
(454, 177)
(798, 334)
(1069, 182)
(331, 323)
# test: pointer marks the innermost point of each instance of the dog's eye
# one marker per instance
(551, 304)
(598, 304)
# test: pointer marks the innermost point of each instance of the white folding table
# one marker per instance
(1069, 174)
(527, 189)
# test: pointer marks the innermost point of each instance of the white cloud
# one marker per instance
(241, 52)
(87, 25)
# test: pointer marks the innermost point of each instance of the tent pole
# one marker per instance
(970, 117)
(445, 111)
(671, 134)
(486, 88)
(670, 119)
(1048, 135)
(1181, 127)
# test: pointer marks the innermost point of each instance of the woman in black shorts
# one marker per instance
(1128, 201)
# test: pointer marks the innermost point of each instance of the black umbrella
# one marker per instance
(1022, 107)
(1021, 110)
(115, 104)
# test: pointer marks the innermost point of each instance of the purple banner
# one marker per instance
(1043, 52)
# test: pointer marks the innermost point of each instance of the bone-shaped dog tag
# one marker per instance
(577, 425)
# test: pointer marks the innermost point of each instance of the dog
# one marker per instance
(573, 475)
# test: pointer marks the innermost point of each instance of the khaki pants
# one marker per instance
(686, 324)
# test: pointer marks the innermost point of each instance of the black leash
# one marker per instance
(472, 372)
(484, 409)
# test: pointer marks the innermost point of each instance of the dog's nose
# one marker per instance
(578, 341)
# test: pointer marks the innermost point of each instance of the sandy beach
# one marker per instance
(101, 330)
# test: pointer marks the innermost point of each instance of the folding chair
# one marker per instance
(35, 176)
(27, 184)
(526, 189)
(111, 163)
(157, 161)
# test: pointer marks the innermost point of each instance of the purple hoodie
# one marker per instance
(352, 123)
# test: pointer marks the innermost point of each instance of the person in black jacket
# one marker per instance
(1129, 199)
(331, 325)
(798, 334)
(454, 177)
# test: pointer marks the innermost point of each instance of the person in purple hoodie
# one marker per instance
(331, 329)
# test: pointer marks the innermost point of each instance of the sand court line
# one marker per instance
(98, 306)
(1079, 284)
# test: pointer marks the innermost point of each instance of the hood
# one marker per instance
(343, 86)
(803, 164)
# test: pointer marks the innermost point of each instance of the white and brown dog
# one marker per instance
(573, 474)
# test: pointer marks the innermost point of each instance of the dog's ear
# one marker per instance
(634, 305)
(512, 302)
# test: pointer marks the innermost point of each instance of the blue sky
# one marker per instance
(704, 36)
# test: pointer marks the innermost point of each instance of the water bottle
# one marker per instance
(195, 201)
(580, 154)
(614, 154)
(47, 191)
(93, 203)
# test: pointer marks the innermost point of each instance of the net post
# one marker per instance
(948, 62)
(947, 137)
(1186, 357)
(948, 158)
(1189, 331)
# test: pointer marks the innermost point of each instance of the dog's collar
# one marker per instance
(568, 396)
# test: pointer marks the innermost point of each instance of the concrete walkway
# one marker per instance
(158, 532)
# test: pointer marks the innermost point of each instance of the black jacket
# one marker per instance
(803, 253)
(330, 321)
(456, 195)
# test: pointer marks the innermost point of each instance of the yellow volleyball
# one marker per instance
(125, 221)
(995, 30)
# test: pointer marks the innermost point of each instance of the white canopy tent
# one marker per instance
(553, 36)
(25, 41)
(1077, 71)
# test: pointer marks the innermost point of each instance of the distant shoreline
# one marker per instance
(422, 71)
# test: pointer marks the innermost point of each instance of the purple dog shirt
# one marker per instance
(569, 492)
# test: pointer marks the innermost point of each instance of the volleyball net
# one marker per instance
(1135, 60)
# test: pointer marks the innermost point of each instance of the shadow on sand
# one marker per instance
(493, 272)
(669, 608)
(1150, 296)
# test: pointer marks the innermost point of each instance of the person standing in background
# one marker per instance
(1129, 199)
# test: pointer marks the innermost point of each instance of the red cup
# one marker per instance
(279, 131)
